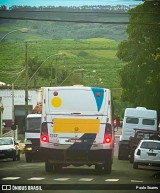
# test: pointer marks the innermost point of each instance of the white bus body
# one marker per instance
(77, 127)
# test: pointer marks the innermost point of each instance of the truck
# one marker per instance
(135, 118)
(32, 135)
(77, 128)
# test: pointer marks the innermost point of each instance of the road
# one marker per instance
(123, 177)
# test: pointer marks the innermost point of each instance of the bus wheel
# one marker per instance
(48, 167)
(98, 168)
(28, 158)
(57, 167)
(108, 166)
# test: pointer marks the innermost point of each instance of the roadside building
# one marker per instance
(19, 107)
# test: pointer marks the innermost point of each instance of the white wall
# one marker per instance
(19, 99)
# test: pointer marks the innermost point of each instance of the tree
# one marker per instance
(140, 77)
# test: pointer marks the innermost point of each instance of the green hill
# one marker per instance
(96, 56)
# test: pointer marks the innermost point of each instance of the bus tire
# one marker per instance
(108, 166)
(98, 168)
(28, 158)
(57, 167)
(48, 166)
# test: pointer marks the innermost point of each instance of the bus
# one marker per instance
(77, 127)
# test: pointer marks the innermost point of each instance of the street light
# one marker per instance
(23, 30)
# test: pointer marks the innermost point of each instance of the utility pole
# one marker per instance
(26, 81)
(56, 81)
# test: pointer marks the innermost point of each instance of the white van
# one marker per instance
(135, 118)
(138, 118)
(77, 127)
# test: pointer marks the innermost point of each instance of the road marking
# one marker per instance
(36, 178)
(112, 180)
(86, 179)
(136, 181)
(61, 179)
(11, 178)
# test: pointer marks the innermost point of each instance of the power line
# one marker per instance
(79, 12)
(80, 21)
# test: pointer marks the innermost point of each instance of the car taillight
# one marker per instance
(139, 152)
(108, 134)
(44, 132)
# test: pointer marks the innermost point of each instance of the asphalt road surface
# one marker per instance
(20, 176)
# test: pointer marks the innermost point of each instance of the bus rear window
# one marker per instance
(132, 120)
(148, 122)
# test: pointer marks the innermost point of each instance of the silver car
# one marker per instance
(147, 153)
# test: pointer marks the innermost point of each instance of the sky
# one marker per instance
(38, 3)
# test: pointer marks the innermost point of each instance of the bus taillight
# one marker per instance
(107, 139)
(44, 132)
(44, 138)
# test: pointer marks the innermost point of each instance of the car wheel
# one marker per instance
(131, 159)
(14, 156)
(18, 156)
(135, 165)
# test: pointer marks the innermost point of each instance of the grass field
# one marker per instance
(97, 57)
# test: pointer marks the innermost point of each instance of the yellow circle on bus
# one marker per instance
(56, 102)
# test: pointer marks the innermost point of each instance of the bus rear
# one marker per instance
(77, 127)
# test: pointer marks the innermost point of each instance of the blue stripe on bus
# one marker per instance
(87, 142)
(98, 98)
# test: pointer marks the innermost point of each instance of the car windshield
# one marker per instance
(6, 141)
(150, 145)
